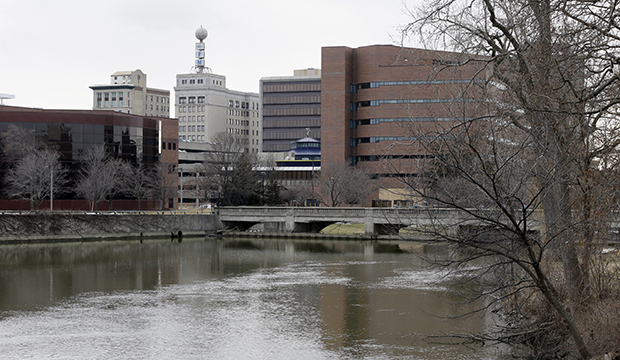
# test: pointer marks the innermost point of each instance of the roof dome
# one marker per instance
(201, 33)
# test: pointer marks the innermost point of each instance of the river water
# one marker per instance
(228, 299)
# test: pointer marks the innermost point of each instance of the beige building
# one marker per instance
(205, 107)
(128, 93)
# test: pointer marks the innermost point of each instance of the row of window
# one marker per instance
(242, 104)
(199, 118)
(376, 84)
(292, 111)
(375, 139)
(242, 113)
(276, 147)
(109, 99)
(184, 109)
(201, 82)
(309, 145)
(191, 100)
(355, 159)
(359, 104)
(160, 99)
(238, 131)
(192, 128)
(296, 123)
(238, 122)
(291, 87)
(294, 175)
(292, 99)
(171, 145)
(192, 137)
(292, 135)
(157, 108)
(377, 121)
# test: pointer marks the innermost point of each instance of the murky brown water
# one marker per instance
(226, 299)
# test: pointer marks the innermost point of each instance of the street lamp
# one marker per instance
(51, 187)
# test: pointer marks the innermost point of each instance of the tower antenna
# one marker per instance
(199, 67)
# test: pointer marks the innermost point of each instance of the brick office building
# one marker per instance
(376, 99)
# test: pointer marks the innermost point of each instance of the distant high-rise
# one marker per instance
(291, 106)
(205, 107)
(127, 93)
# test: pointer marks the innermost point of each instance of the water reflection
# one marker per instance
(225, 299)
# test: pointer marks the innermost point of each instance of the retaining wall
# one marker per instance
(55, 227)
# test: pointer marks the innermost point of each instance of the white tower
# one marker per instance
(200, 67)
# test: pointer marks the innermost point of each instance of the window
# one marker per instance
(192, 99)
(99, 97)
(183, 100)
(201, 99)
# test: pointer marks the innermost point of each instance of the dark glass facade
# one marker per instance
(71, 140)
(131, 138)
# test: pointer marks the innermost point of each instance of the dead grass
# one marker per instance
(344, 229)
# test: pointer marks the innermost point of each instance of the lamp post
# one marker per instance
(51, 187)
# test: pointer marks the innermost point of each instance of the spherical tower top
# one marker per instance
(201, 33)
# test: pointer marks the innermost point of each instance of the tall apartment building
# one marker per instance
(205, 107)
(375, 99)
(128, 93)
(291, 106)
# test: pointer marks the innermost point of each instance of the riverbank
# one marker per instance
(321, 236)
(45, 227)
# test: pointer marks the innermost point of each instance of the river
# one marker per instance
(229, 299)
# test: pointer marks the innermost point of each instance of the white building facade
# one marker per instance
(128, 93)
(205, 107)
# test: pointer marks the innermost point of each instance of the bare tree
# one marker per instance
(229, 171)
(162, 183)
(550, 122)
(101, 176)
(136, 180)
(17, 142)
(344, 184)
(297, 194)
(35, 175)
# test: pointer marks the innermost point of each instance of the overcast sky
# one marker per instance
(51, 51)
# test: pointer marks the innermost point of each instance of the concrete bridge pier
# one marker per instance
(369, 221)
(289, 220)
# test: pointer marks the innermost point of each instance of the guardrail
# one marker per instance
(107, 212)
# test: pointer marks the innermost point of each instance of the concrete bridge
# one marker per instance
(380, 221)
